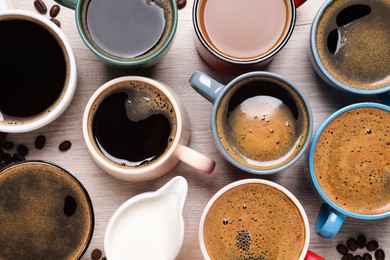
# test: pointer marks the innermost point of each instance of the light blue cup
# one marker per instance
(331, 216)
(216, 93)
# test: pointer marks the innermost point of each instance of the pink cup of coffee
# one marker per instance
(236, 36)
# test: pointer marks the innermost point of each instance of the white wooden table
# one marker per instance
(175, 69)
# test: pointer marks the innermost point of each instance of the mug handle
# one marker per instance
(329, 221)
(311, 256)
(5, 4)
(209, 88)
(298, 3)
(68, 3)
(195, 159)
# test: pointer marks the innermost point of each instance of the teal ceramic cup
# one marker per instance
(261, 122)
(349, 46)
(108, 35)
(349, 166)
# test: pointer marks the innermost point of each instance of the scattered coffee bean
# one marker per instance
(357, 257)
(181, 3)
(40, 141)
(18, 157)
(65, 146)
(104, 258)
(342, 249)
(54, 10)
(2, 165)
(56, 21)
(1, 154)
(361, 241)
(367, 256)
(96, 254)
(7, 158)
(379, 254)
(22, 149)
(8, 145)
(347, 257)
(352, 244)
(40, 6)
(3, 136)
(372, 246)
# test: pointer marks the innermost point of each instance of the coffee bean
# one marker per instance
(56, 21)
(96, 254)
(352, 244)
(104, 258)
(7, 158)
(181, 3)
(379, 254)
(342, 249)
(357, 257)
(3, 136)
(367, 256)
(40, 141)
(54, 10)
(347, 257)
(1, 154)
(40, 6)
(8, 145)
(361, 241)
(372, 246)
(22, 149)
(65, 146)
(2, 165)
(18, 157)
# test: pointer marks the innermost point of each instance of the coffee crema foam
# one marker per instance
(261, 123)
(44, 214)
(254, 221)
(351, 161)
(362, 54)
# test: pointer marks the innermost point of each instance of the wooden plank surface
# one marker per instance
(175, 69)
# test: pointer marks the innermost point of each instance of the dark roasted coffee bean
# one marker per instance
(56, 21)
(361, 241)
(8, 145)
(7, 158)
(3, 136)
(22, 149)
(96, 254)
(40, 141)
(65, 146)
(347, 257)
(352, 244)
(40, 6)
(342, 249)
(367, 256)
(357, 257)
(18, 157)
(379, 254)
(104, 258)
(372, 246)
(1, 154)
(54, 10)
(181, 3)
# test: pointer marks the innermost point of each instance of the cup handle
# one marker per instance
(68, 3)
(196, 160)
(329, 221)
(5, 4)
(298, 3)
(209, 88)
(311, 256)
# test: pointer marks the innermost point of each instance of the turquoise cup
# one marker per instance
(366, 166)
(277, 128)
(147, 59)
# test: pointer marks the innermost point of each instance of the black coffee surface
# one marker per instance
(127, 142)
(33, 69)
(44, 214)
(125, 28)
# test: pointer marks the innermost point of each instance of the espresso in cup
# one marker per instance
(254, 221)
(133, 124)
(262, 122)
(352, 41)
(35, 70)
(123, 29)
(45, 213)
(351, 160)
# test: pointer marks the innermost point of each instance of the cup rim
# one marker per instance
(228, 156)
(246, 61)
(311, 160)
(79, 183)
(133, 171)
(127, 63)
(255, 181)
(72, 75)
(321, 66)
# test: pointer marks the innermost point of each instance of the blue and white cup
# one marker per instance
(261, 122)
(349, 166)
